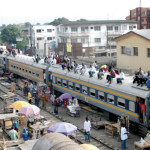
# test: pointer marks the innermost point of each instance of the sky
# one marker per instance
(42, 11)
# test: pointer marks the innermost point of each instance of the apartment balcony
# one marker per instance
(68, 35)
(115, 33)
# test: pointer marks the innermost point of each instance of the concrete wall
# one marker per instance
(133, 62)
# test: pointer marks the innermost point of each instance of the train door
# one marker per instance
(141, 109)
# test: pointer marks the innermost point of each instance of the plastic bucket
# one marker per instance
(25, 136)
(16, 99)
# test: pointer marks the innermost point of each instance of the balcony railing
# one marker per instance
(73, 34)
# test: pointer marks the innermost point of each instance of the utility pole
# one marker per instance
(88, 49)
(31, 36)
(140, 16)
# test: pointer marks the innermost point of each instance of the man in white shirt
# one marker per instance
(123, 137)
(122, 76)
(87, 128)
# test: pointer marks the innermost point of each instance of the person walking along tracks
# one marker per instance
(87, 128)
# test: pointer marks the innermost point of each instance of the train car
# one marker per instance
(25, 67)
(113, 99)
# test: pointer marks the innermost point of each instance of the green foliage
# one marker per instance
(0, 40)
(9, 34)
(58, 21)
(21, 45)
(82, 20)
(27, 24)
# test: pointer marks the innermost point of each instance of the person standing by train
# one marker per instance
(44, 100)
(44, 76)
(29, 97)
(123, 136)
(56, 103)
(87, 129)
(31, 88)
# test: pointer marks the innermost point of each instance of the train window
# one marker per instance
(20, 68)
(110, 98)
(65, 83)
(26, 70)
(17, 67)
(58, 81)
(30, 72)
(121, 102)
(131, 106)
(12, 66)
(92, 92)
(37, 74)
(77, 87)
(23, 69)
(101, 95)
(84, 89)
(70, 84)
(33, 73)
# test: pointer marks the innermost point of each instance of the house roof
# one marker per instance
(68, 23)
(145, 33)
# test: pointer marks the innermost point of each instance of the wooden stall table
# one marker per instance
(139, 145)
(39, 127)
(111, 129)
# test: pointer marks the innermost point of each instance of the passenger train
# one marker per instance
(113, 99)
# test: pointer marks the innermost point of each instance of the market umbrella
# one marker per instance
(30, 109)
(18, 104)
(63, 127)
(104, 66)
(65, 96)
(89, 147)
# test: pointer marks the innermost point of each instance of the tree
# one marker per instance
(58, 21)
(10, 33)
(21, 45)
(82, 20)
(27, 24)
(38, 24)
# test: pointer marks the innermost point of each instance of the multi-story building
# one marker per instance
(142, 15)
(43, 38)
(95, 36)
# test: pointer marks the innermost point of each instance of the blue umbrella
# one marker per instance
(63, 127)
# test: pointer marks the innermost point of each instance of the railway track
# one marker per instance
(48, 114)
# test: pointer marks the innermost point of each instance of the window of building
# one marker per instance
(97, 28)
(73, 40)
(110, 28)
(38, 30)
(91, 27)
(58, 30)
(134, 14)
(66, 29)
(74, 29)
(39, 38)
(82, 40)
(144, 13)
(97, 40)
(116, 28)
(123, 50)
(124, 27)
(130, 27)
(110, 39)
(142, 20)
(84, 29)
(148, 52)
(135, 51)
(49, 38)
(64, 40)
(128, 51)
(49, 30)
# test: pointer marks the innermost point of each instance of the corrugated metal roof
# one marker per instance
(145, 33)
(66, 23)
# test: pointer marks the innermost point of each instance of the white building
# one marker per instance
(95, 36)
(43, 38)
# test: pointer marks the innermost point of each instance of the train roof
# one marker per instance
(127, 87)
(28, 60)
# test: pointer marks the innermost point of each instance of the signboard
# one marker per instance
(128, 51)
(18, 39)
(69, 46)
